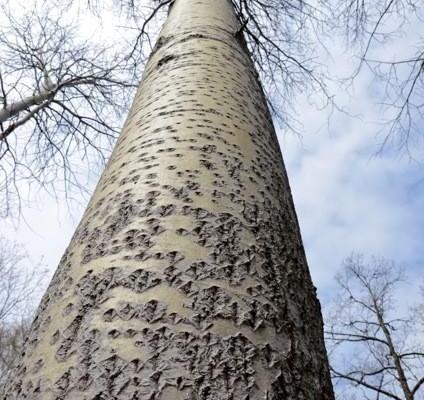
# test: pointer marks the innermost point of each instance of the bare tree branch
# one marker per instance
(371, 26)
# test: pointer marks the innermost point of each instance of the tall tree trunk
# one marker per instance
(186, 278)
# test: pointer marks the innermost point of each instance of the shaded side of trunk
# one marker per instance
(186, 278)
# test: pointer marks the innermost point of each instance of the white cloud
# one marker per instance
(346, 197)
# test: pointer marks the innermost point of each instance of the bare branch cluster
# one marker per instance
(372, 24)
(282, 38)
(62, 102)
(371, 346)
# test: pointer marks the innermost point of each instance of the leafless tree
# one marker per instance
(62, 100)
(374, 347)
(20, 285)
(371, 25)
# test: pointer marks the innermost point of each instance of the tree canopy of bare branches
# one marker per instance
(373, 345)
(62, 101)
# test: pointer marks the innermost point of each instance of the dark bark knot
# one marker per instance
(166, 59)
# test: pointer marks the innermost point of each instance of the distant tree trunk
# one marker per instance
(186, 278)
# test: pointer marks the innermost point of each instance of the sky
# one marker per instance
(347, 197)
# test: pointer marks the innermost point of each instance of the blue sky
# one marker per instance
(347, 198)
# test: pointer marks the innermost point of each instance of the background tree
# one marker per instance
(12, 339)
(375, 346)
(21, 283)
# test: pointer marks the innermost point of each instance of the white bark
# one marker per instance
(186, 278)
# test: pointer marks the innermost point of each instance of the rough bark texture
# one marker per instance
(186, 278)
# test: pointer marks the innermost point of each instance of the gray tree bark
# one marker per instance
(186, 278)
